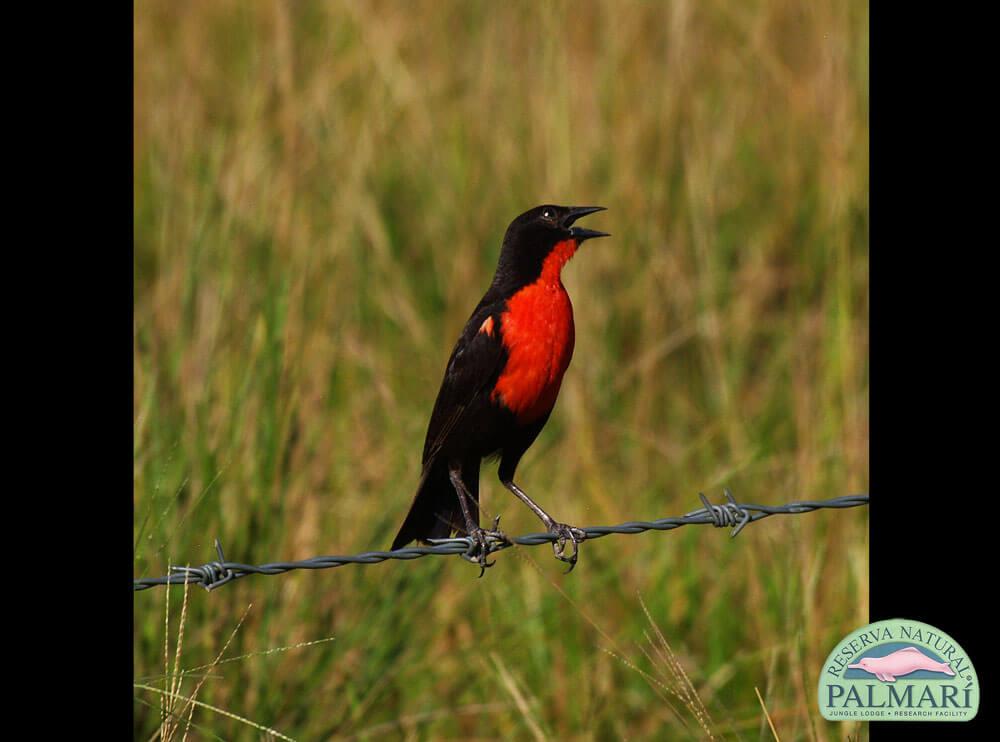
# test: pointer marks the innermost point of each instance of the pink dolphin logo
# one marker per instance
(900, 662)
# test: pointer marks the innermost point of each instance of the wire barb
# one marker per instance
(211, 575)
(729, 514)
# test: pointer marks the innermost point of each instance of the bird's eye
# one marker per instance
(549, 214)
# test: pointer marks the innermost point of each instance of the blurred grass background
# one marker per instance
(320, 193)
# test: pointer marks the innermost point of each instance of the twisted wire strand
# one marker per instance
(730, 514)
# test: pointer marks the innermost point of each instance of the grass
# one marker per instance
(320, 193)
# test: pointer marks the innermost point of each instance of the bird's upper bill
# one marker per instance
(582, 233)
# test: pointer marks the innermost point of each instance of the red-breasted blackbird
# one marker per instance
(501, 383)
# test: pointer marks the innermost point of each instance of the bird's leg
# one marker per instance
(481, 551)
(563, 531)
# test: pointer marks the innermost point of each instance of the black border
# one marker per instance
(929, 367)
(72, 147)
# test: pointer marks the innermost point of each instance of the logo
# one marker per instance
(898, 670)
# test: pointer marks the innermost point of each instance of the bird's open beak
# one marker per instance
(581, 233)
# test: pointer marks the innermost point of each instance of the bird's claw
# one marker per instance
(566, 533)
(483, 543)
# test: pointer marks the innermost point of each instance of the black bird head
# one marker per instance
(534, 235)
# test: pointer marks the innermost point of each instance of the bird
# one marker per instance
(500, 386)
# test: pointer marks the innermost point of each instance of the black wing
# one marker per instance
(473, 369)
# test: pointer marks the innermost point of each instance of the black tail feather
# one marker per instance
(435, 512)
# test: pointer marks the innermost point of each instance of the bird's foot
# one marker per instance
(483, 543)
(566, 534)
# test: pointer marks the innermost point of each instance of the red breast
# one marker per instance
(538, 334)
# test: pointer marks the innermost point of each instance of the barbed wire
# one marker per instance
(729, 514)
